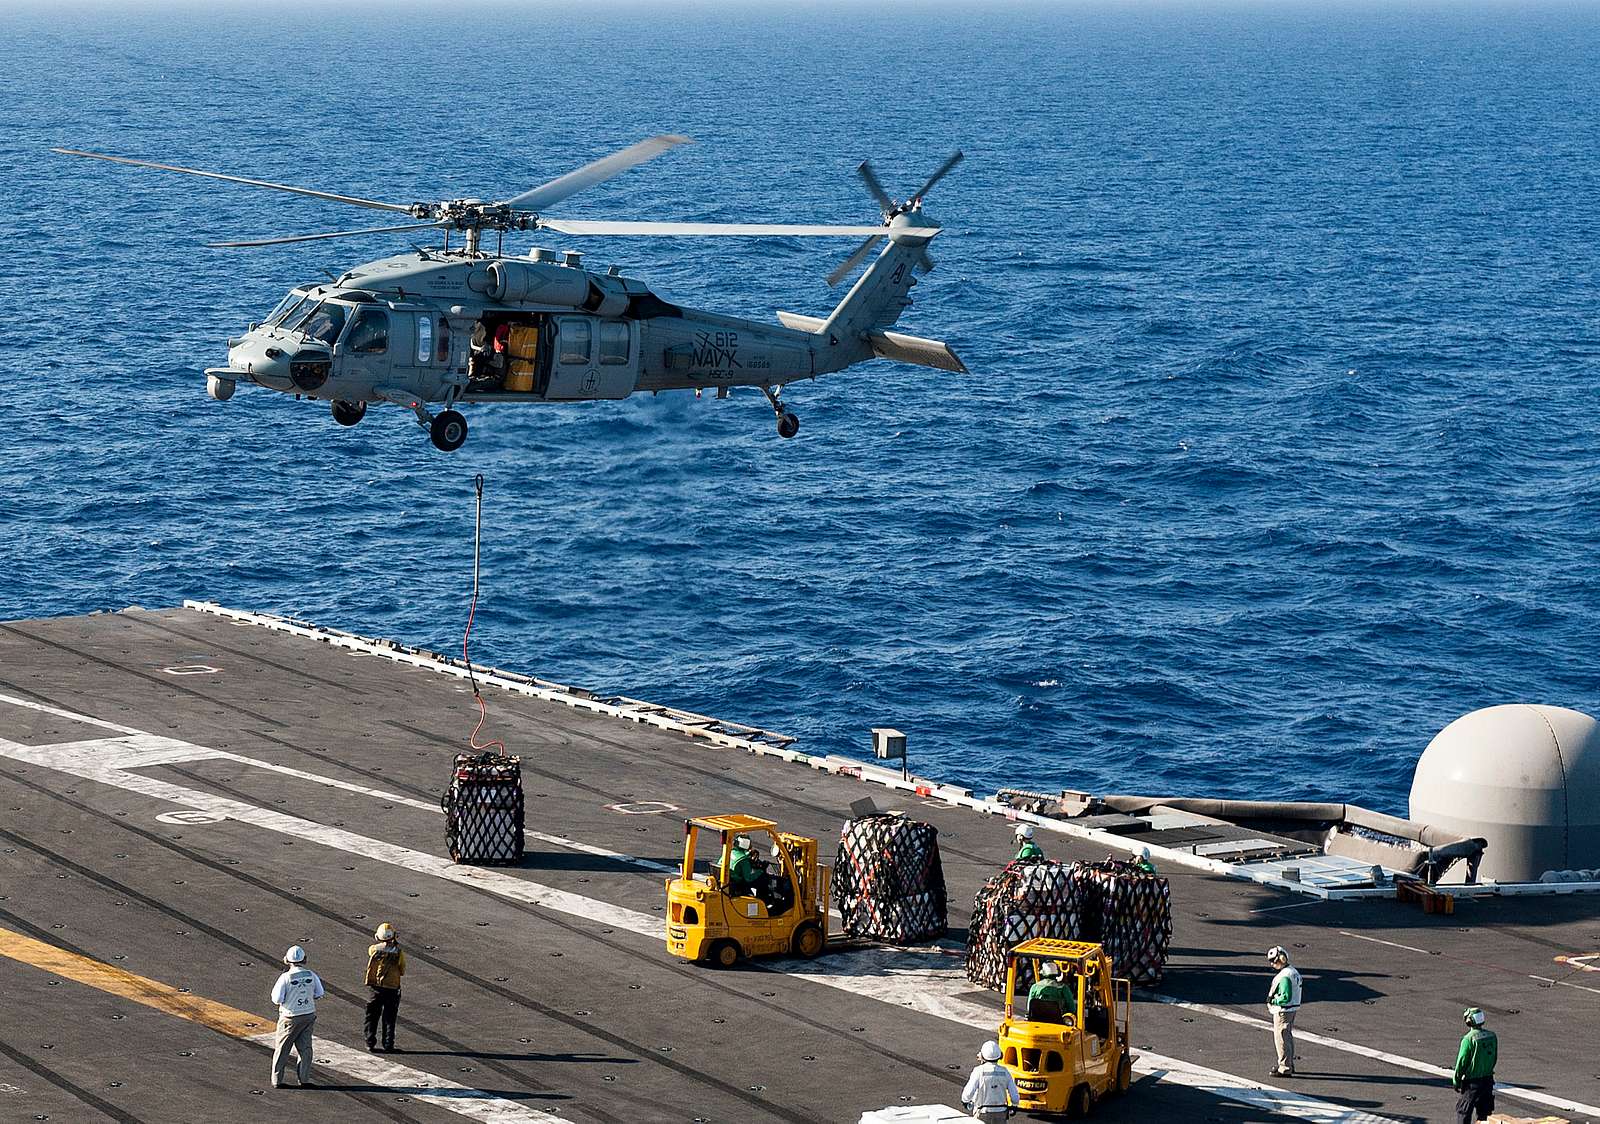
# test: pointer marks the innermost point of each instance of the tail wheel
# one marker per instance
(449, 431)
(788, 424)
(808, 941)
(348, 413)
(724, 954)
(1078, 1103)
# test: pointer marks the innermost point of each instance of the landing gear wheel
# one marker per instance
(788, 424)
(348, 413)
(1078, 1103)
(724, 954)
(808, 942)
(449, 431)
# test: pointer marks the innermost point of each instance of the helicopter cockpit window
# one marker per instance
(324, 322)
(286, 306)
(369, 333)
(574, 335)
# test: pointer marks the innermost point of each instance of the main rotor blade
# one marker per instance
(698, 229)
(854, 260)
(864, 170)
(944, 169)
(590, 174)
(373, 203)
(330, 234)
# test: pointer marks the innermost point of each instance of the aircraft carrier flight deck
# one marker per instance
(184, 794)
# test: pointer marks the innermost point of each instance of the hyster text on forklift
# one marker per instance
(738, 904)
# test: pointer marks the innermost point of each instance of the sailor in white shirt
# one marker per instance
(1283, 1003)
(991, 1090)
(296, 993)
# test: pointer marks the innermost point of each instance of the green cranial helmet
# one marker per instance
(1473, 1016)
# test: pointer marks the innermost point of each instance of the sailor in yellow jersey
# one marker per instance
(385, 965)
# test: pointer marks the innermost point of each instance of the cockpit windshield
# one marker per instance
(287, 305)
(322, 321)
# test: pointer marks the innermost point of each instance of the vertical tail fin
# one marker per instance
(880, 295)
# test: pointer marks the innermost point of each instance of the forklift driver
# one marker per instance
(1049, 996)
(744, 874)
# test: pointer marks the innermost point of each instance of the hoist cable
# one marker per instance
(472, 612)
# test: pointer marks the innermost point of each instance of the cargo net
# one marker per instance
(483, 809)
(888, 882)
(1112, 903)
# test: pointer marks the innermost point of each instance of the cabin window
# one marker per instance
(1053, 1062)
(424, 339)
(575, 338)
(369, 334)
(613, 343)
(444, 340)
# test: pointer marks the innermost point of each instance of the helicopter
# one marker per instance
(439, 327)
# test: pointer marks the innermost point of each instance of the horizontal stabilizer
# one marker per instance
(801, 323)
(889, 345)
(915, 349)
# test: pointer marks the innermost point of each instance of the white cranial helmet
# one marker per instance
(295, 955)
(742, 842)
(1025, 831)
(990, 1051)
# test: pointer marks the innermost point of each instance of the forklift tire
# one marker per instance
(1078, 1104)
(808, 941)
(724, 954)
(1124, 1073)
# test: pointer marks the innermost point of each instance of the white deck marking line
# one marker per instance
(1426, 952)
(46, 708)
(1501, 1088)
(412, 802)
(391, 1078)
(1291, 905)
(1564, 983)
(1380, 940)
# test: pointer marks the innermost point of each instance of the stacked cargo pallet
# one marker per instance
(483, 810)
(1113, 903)
(888, 882)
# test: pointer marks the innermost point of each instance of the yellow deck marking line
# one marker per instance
(259, 1030)
(116, 981)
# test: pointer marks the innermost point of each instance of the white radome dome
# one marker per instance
(1526, 777)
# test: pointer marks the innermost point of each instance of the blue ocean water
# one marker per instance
(1278, 451)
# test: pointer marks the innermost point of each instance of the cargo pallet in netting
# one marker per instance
(483, 810)
(1112, 903)
(888, 882)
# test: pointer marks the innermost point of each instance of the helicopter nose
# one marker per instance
(264, 360)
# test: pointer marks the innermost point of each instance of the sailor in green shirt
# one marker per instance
(1142, 861)
(1026, 847)
(1050, 988)
(743, 873)
(1474, 1074)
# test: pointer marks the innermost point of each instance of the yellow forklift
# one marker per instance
(1068, 1051)
(728, 902)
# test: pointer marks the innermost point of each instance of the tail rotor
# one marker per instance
(891, 209)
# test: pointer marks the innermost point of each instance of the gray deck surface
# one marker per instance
(570, 1014)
